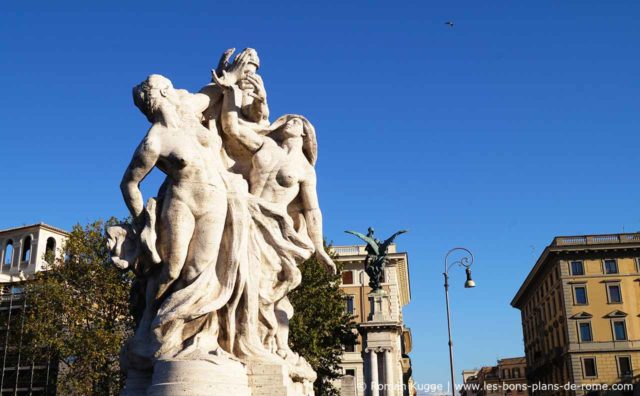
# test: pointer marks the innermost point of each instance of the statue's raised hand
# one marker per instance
(232, 73)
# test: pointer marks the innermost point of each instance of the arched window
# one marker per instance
(8, 253)
(26, 250)
(50, 251)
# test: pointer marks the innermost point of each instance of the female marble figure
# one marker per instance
(192, 212)
(282, 173)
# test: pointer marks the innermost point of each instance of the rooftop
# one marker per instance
(514, 360)
(602, 239)
(577, 243)
(41, 224)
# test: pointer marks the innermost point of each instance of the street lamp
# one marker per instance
(465, 262)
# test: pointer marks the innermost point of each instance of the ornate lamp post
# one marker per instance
(466, 261)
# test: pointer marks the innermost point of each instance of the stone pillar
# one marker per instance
(373, 367)
(388, 373)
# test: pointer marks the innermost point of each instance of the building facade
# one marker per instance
(24, 251)
(580, 308)
(356, 361)
(506, 378)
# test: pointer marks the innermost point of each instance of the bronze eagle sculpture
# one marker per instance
(377, 252)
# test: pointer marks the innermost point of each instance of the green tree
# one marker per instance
(79, 310)
(321, 326)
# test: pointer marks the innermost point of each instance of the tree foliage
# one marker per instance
(79, 310)
(321, 326)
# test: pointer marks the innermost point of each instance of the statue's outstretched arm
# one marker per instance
(313, 218)
(144, 159)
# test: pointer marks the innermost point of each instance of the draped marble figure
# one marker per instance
(216, 252)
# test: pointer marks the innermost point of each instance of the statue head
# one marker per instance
(151, 93)
(294, 126)
(370, 232)
(251, 60)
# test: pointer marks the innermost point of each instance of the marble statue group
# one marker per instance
(216, 252)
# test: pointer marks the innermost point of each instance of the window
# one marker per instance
(26, 250)
(579, 295)
(505, 374)
(50, 250)
(351, 372)
(350, 348)
(624, 366)
(347, 277)
(577, 268)
(585, 332)
(8, 253)
(614, 294)
(589, 367)
(619, 330)
(350, 306)
(516, 373)
(610, 266)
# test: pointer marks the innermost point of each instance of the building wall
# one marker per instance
(597, 312)
(552, 313)
(544, 329)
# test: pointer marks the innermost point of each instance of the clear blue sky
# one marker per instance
(517, 124)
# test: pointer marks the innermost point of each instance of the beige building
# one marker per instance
(506, 378)
(356, 359)
(24, 249)
(23, 252)
(580, 308)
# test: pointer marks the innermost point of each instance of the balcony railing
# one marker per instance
(355, 250)
(584, 240)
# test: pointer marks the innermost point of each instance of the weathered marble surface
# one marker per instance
(215, 253)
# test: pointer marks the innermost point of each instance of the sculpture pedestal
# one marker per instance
(274, 380)
(380, 306)
(198, 378)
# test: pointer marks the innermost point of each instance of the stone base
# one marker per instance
(273, 380)
(137, 383)
(199, 378)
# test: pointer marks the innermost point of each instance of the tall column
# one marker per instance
(373, 367)
(388, 373)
